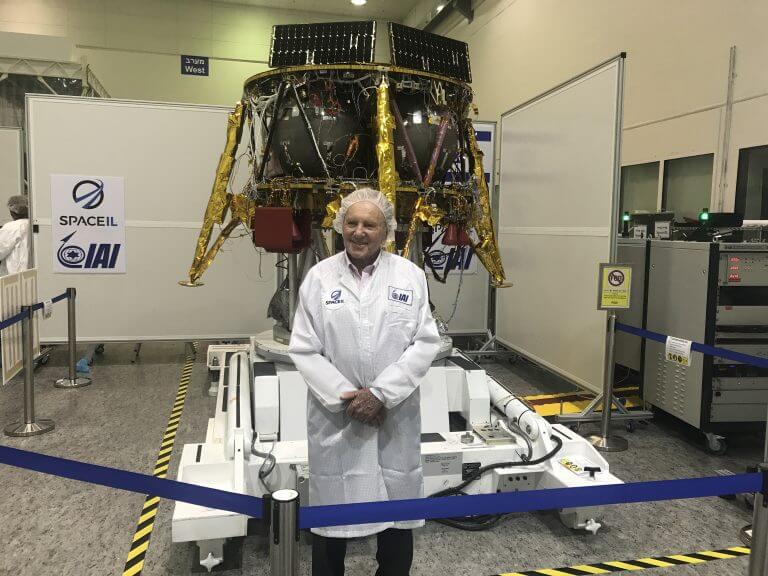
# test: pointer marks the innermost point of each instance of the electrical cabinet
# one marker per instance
(716, 294)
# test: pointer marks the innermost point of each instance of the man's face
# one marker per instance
(364, 231)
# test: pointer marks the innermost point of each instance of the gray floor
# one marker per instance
(53, 526)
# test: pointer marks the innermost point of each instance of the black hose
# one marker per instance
(473, 524)
(480, 471)
(520, 432)
(486, 521)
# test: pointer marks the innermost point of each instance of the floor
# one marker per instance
(55, 526)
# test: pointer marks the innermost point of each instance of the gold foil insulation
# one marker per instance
(331, 209)
(219, 201)
(385, 147)
(430, 215)
(487, 249)
(243, 209)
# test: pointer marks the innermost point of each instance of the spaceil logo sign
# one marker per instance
(88, 224)
(88, 193)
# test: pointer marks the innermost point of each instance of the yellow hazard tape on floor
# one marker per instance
(639, 564)
(575, 402)
(134, 564)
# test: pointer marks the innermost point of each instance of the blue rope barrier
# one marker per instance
(59, 298)
(698, 347)
(132, 481)
(11, 321)
(528, 501)
(395, 510)
(35, 307)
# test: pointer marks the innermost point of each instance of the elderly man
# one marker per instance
(14, 238)
(363, 338)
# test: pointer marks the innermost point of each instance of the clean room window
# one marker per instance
(687, 185)
(639, 187)
(752, 183)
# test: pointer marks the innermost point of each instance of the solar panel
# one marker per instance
(324, 43)
(414, 48)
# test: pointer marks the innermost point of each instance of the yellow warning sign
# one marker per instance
(678, 350)
(614, 287)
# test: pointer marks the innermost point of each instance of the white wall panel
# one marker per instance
(168, 156)
(559, 159)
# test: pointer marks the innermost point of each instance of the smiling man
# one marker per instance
(363, 338)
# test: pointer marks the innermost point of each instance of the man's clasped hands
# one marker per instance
(365, 407)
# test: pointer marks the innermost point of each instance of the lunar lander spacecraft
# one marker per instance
(326, 120)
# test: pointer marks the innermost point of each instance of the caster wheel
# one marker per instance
(631, 426)
(99, 349)
(716, 445)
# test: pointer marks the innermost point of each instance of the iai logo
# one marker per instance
(88, 224)
(401, 296)
(102, 255)
(89, 194)
(335, 300)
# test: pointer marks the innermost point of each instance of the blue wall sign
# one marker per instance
(194, 65)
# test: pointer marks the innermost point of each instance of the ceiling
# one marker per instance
(395, 10)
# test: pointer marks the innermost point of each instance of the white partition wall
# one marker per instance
(559, 166)
(167, 155)
(11, 159)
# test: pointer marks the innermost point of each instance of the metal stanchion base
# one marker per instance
(78, 382)
(32, 429)
(745, 535)
(608, 444)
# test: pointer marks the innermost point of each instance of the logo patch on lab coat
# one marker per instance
(334, 299)
(400, 296)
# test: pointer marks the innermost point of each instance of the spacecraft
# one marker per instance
(325, 120)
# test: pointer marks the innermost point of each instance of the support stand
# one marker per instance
(30, 426)
(604, 441)
(73, 381)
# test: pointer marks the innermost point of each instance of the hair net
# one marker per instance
(18, 206)
(374, 197)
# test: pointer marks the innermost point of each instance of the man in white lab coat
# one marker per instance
(14, 238)
(363, 338)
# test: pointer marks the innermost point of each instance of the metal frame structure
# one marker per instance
(604, 441)
(54, 69)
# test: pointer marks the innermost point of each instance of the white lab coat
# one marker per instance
(345, 338)
(14, 246)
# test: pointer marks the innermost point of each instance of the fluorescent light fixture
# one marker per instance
(358, 2)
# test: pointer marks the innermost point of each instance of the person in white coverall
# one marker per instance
(363, 338)
(14, 238)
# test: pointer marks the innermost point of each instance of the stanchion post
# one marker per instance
(284, 533)
(758, 559)
(73, 380)
(30, 426)
(604, 441)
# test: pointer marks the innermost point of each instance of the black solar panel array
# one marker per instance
(326, 43)
(414, 48)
